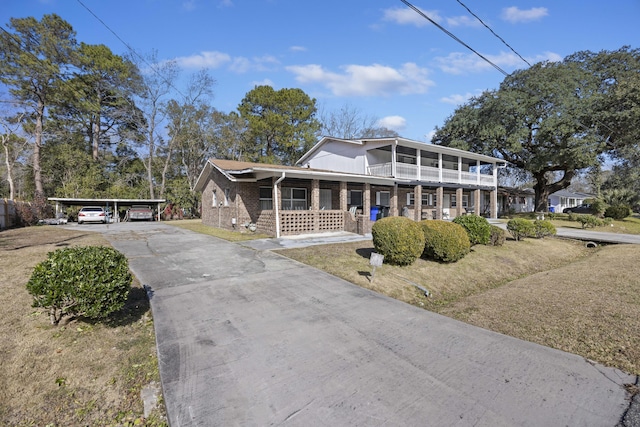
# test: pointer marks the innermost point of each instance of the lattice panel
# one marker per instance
(330, 221)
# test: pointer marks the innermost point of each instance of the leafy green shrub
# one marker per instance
(477, 227)
(543, 228)
(92, 281)
(445, 241)
(598, 206)
(589, 221)
(498, 236)
(520, 228)
(618, 212)
(399, 239)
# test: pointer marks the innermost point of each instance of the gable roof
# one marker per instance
(237, 171)
(404, 142)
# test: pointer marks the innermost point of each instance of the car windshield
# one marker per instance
(91, 209)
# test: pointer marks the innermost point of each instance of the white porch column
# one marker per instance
(459, 170)
(478, 172)
(393, 158)
(439, 167)
(419, 164)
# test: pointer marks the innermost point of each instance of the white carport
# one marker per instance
(62, 202)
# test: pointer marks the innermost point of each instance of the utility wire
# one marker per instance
(493, 32)
(453, 36)
(132, 49)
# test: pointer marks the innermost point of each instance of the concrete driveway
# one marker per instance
(250, 338)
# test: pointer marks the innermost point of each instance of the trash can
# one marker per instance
(552, 209)
(375, 211)
(384, 211)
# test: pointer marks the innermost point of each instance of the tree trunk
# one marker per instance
(9, 164)
(95, 136)
(37, 171)
(543, 189)
(151, 149)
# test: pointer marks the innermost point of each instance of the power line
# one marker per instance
(493, 32)
(453, 36)
(132, 50)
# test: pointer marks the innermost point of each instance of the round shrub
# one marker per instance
(618, 212)
(477, 227)
(498, 236)
(543, 228)
(399, 239)
(445, 241)
(520, 228)
(91, 281)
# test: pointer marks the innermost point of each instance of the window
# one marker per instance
(294, 198)
(226, 197)
(325, 198)
(465, 200)
(411, 199)
(454, 201)
(214, 199)
(266, 198)
(354, 197)
(383, 198)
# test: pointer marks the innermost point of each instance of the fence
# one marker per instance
(8, 216)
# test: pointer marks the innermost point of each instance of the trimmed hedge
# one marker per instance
(477, 227)
(618, 212)
(92, 281)
(543, 228)
(520, 228)
(445, 241)
(399, 239)
(498, 236)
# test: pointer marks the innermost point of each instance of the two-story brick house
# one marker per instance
(346, 185)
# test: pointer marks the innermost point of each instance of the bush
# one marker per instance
(477, 227)
(598, 206)
(498, 236)
(588, 221)
(618, 212)
(445, 241)
(543, 228)
(399, 239)
(29, 213)
(520, 228)
(91, 281)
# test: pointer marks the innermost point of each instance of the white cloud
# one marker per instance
(429, 136)
(406, 16)
(514, 15)
(396, 123)
(298, 49)
(463, 21)
(366, 80)
(462, 63)
(457, 99)
(208, 59)
(189, 5)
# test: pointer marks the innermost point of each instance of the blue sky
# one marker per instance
(378, 57)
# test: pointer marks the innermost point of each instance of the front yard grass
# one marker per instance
(79, 373)
(231, 236)
(554, 292)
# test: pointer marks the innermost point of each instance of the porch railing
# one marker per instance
(427, 173)
(301, 222)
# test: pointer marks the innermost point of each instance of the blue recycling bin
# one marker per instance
(375, 210)
(552, 209)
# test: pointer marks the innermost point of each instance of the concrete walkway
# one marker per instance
(247, 337)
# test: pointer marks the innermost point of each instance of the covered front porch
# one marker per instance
(316, 206)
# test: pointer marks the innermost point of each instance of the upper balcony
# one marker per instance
(422, 165)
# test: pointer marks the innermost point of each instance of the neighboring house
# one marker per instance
(344, 185)
(566, 199)
(515, 200)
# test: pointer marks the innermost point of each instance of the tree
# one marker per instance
(281, 124)
(538, 120)
(99, 96)
(156, 85)
(350, 123)
(32, 63)
(229, 136)
(13, 147)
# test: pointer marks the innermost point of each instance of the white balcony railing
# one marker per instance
(431, 174)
